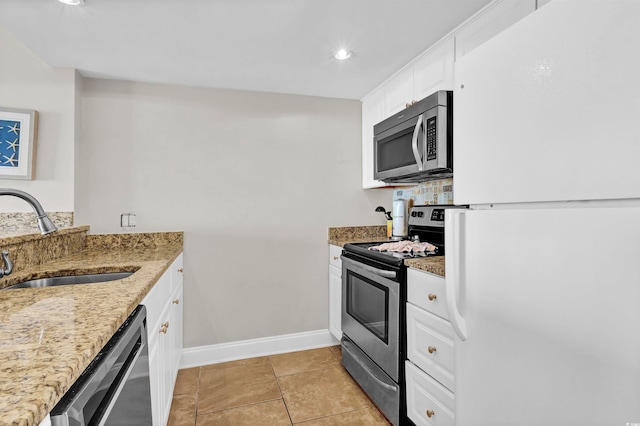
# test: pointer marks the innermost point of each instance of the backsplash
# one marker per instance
(34, 249)
(427, 193)
(25, 222)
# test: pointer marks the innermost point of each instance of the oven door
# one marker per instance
(371, 312)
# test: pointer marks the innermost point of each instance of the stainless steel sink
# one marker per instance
(73, 279)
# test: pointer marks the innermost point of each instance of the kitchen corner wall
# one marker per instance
(253, 179)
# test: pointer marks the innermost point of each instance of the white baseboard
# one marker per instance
(223, 352)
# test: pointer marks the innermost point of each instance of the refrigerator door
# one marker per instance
(550, 304)
(550, 107)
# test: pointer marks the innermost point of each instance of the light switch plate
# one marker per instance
(128, 220)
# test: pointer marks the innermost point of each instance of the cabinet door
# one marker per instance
(491, 21)
(177, 310)
(373, 111)
(551, 117)
(168, 379)
(156, 378)
(434, 70)
(335, 301)
(399, 91)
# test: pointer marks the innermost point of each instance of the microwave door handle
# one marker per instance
(414, 143)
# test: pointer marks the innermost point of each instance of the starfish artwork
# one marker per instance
(13, 145)
(9, 143)
(11, 161)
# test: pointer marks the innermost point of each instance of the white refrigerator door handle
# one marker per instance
(454, 241)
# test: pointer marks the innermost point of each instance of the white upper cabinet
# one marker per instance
(489, 22)
(549, 108)
(431, 72)
(434, 70)
(399, 91)
(374, 110)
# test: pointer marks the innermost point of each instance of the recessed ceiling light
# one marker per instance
(342, 54)
(72, 2)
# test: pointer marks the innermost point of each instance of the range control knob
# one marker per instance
(420, 214)
(414, 214)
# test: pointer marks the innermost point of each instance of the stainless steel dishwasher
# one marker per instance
(114, 389)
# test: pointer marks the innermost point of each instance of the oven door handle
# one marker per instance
(414, 143)
(380, 272)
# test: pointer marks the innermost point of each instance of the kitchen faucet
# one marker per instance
(44, 223)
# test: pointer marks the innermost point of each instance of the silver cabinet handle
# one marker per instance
(414, 142)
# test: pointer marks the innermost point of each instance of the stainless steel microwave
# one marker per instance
(415, 144)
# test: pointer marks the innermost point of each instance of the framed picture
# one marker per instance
(18, 128)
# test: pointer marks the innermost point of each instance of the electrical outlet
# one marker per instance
(128, 220)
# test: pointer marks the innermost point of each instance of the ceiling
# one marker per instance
(282, 46)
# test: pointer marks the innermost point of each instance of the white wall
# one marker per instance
(28, 83)
(254, 180)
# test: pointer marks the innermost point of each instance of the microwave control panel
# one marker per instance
(432, 142)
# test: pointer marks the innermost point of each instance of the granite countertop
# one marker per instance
(48, 336)
(434, 265)
(339, 236)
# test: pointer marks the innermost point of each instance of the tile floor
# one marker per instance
(307, 388)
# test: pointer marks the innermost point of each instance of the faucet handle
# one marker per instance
(8, 265)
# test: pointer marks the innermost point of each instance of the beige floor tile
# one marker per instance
(272, 413)
(183, 410)
(249, 361)
(337, 352)
(321, 393)
(366, 417)
(298, 362)
(236, 386)
(187, 381)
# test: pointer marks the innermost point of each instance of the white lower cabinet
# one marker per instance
(429, 368)
(335, 291)
(164, 328)
(428, 402)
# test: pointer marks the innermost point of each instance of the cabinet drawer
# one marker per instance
(430, 344)
(156, 300)
(427, 291)
(428, 402)
(175, 272)
(334, 256)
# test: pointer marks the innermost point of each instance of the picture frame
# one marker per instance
(18, 135)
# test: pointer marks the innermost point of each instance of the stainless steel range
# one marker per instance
(373, 302)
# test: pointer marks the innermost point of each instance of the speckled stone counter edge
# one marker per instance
(434, 265)
(340, 236)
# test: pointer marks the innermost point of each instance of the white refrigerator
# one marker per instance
(545, 303)
(543, 287)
